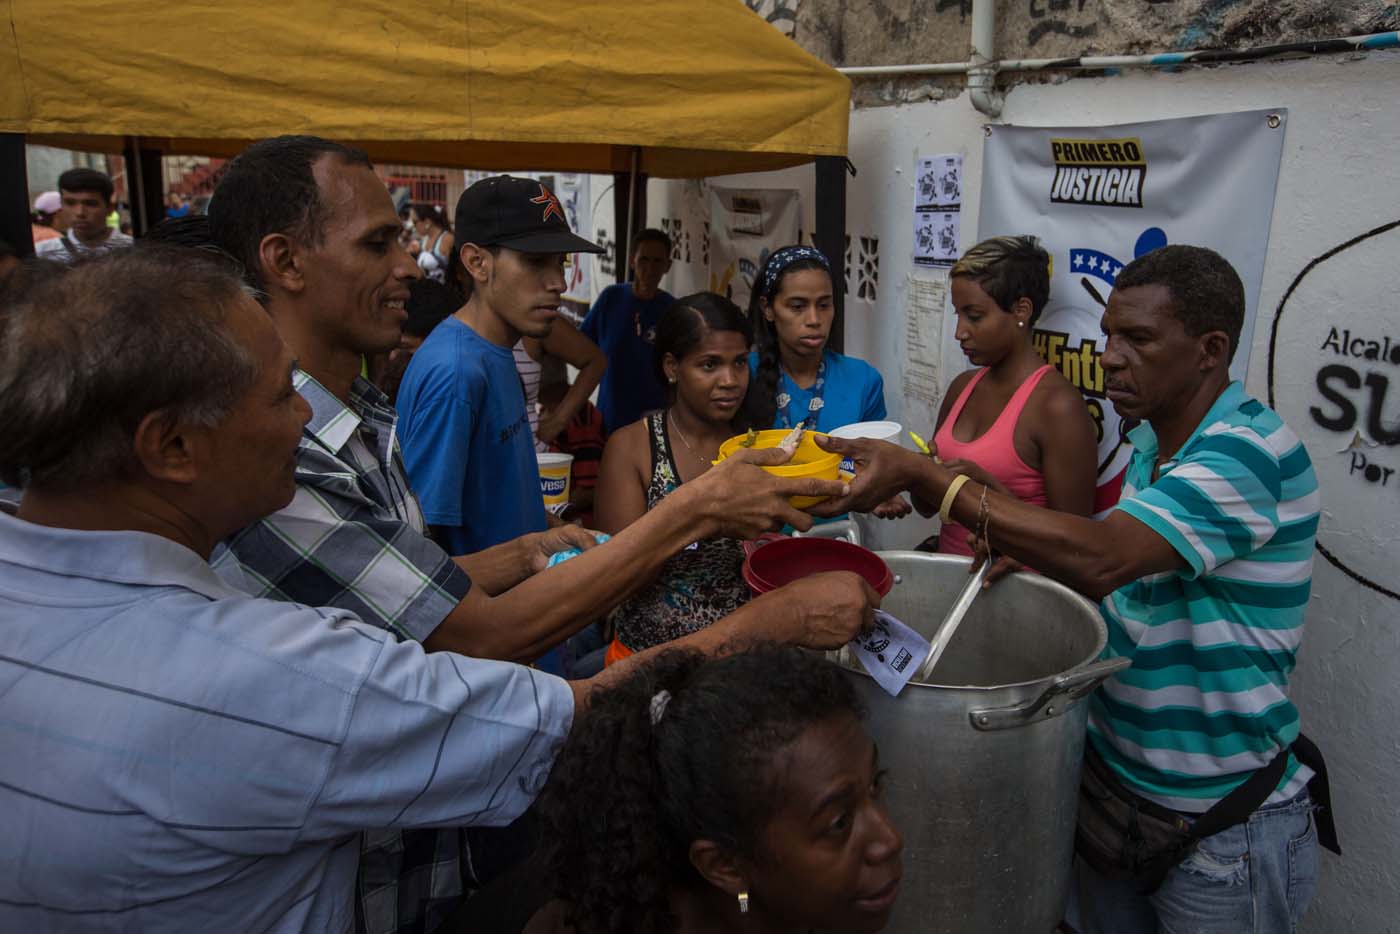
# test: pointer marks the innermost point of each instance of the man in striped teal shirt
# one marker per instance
(1212, 643)
(1204, 572)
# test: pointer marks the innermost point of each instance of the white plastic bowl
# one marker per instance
(880, 431)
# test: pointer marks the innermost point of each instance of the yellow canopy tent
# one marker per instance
(687, 88)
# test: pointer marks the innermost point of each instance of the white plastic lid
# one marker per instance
(880, 431)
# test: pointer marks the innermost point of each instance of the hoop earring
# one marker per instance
(743, 903)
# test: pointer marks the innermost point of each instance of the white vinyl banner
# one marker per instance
(1098, 197)
(747, 224)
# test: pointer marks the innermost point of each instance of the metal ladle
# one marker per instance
(944, 633)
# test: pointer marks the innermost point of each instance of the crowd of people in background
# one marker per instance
(315, 407)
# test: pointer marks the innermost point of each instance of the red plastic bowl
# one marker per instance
(785, 560)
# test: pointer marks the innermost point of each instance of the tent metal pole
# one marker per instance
(14, 197)
(144, 188)
(626, 243)
(830, 236)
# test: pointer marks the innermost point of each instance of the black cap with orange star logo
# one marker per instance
(519, 213)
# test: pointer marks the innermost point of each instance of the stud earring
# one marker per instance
(1020, 324)
(743, 903)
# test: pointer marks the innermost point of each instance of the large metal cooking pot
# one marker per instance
(984, 764)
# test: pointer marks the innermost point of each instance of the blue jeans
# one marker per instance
(1253, 878)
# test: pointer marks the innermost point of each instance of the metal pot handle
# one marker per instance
(1053, 701)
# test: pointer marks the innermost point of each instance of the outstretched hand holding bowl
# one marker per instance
(883, 470)
(743, 500)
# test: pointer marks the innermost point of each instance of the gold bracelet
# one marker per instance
(948, 497)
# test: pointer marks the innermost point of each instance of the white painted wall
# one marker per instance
(1340, 178)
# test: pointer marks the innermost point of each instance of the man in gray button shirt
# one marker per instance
(181, 756)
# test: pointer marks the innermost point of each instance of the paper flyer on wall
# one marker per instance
(923, 336)
(939, 182)
(936, 237)
(1099, 197)
(937, 209)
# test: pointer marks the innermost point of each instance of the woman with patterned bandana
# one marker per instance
(796, 379)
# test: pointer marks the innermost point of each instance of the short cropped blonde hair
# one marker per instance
(1009, 268)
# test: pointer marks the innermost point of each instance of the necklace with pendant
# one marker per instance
(680, 434)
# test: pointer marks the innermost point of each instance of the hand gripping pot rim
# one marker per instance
(555, 469)
(879, 431)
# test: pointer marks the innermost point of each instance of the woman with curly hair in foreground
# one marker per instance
(730, 794)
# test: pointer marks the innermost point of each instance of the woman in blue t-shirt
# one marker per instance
(797, 379)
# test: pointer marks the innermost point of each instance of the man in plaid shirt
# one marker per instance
(316, 232)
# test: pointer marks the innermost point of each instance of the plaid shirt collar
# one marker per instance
(333, 422)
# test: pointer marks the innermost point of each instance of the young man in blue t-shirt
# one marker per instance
(623, 323)
(466, 439)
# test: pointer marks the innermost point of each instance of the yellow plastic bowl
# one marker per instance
(808, 460)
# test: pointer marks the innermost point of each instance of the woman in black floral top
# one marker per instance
(701, 354)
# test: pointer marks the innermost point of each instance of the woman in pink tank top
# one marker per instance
(1014, 423)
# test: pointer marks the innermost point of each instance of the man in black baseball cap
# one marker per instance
(519, 213)
(462, 421)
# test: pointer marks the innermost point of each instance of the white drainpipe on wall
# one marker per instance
(982, 68)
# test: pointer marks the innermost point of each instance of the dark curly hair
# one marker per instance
(271, 187)
(1206, 292)
(760, 406)
(685, 322)
(425, 211)
(85, 179)
(628, 796)
(457, 275)
(651, 235)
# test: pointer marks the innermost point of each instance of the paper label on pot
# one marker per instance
(891, 652)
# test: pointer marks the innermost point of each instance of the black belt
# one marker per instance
(1245, 799)
(1236, 807)
(1308, 754)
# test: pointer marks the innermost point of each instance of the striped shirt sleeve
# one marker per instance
(1218, 504)
(441, 740)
